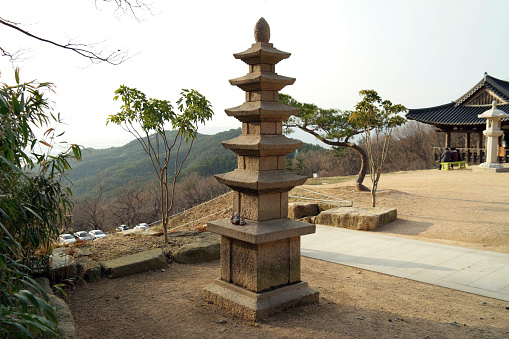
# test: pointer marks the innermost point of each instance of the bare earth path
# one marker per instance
(454, 207)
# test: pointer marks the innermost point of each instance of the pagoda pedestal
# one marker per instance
(260, 267)
(260, 261)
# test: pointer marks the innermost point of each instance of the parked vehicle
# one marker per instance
(82, 235)
(96, 234)
(142, 226)
(66, 239)
(122, 228)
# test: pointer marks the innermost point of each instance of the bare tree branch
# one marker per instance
(129, 7)
(84, 50)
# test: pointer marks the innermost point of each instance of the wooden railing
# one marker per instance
(472, 155)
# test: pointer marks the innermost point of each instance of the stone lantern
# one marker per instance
(260, 258)
(492, 132)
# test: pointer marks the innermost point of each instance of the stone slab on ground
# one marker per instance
(134, 263)
(357, 218)
(479, 169)
(200, 251)
(64, 316)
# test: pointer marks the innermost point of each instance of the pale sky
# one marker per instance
(417, 53)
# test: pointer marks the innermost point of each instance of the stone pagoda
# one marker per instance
(260, 260)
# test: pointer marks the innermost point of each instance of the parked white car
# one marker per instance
(96, 234)
(142, 226)
(82, 235)
(66, 239)
(122, 228)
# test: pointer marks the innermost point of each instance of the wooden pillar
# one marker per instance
(448, 139)
(480, 156)
(467, 141)
(479, 142)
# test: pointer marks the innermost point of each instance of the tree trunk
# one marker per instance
(364, 168)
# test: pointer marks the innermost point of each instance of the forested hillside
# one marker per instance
(117, 166)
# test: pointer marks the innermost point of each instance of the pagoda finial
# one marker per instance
(262, 31)
(494, 104)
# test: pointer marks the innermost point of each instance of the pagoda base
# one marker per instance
(260, 267)
(255, 306)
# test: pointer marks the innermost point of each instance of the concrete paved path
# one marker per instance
(475, 271)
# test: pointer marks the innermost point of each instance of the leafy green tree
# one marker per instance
(152, 116)
(331, 126)
(33, 205)
(376, 118)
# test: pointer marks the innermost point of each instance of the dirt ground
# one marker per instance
(455, 207)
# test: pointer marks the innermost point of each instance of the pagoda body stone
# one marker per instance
(260, 261)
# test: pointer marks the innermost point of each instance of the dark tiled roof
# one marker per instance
(450, 114)
(458, 114)
(500, 87)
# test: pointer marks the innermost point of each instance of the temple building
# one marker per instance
(461, 116)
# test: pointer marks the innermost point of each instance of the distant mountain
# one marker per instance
(117, 166)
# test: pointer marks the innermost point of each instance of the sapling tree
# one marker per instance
(331, 126)
(142, 117)
(376, 118)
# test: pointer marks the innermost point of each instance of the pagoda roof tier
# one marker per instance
(262, 81)
(256, 182)
(254, 111)
(261, 145)
(465, 110)
(262, 53)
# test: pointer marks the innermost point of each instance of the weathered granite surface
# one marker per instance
(357, 218)
(200, 251)
(135, 263)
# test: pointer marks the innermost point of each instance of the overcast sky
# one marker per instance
(417, 53)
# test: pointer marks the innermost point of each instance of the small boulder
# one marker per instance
(204, 250)
(89, 269)
(93, 273)
(298, 210)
